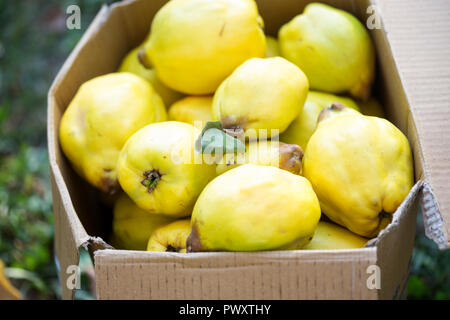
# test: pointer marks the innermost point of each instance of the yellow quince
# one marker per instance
(360, 168)
(131, 64)
(192, 109)
(301, 129)
(158, 169)
(171, 237)
(266, 94)
(333, 48)
(272, 48)
(104, 113)
(329, 236)
(195, 44)
(132, 226)
(252, 208)
(266, 153)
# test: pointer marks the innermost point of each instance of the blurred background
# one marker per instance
(34, 42)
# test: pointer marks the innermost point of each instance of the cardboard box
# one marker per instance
(413, 85)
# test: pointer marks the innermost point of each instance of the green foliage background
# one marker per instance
(34, 42)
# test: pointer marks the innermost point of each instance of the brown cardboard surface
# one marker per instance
(394, 246)
(262, 275)
(420, 41)
(340, 274)
(70, 234)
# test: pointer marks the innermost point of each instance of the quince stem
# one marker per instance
(172, 249)
(384, 214)
(151, 180)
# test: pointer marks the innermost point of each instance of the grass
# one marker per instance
(33, 45)
(430, 269)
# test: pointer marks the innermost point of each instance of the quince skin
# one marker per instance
(301, 129)
(264, 94)
(158, 169)
(251, 208)
(171, 237)
(360, 168)
(192, 109)
(132, 226)
(272, 48)
(266, 153)
(333, 48)
(104, 113)
(132, 64)
(329, 236)
(195, 44)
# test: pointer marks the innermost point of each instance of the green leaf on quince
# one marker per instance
(213, 139)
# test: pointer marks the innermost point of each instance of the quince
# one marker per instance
(195, 44)
(261, 94)
(171, 237)
(304, 125)
(131, 64)
(192, 109)
(252, 208)
(266, 153)
(360, 168)
(104, 113)
(329, 236)
(132, 226)
(333, 48)
(272, 48)
(158, 169)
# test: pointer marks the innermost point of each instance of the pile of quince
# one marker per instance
(212, 136)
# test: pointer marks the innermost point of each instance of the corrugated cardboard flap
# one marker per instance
(432, 218)
(392, 256)
(418, 34)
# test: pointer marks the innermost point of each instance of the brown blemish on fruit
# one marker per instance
(109, 186)
(234, 127)
(231, 122)
(193, 241)
(142, 57)
(290, 157)
(222, 29)
(235, 132)
(335, 106)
